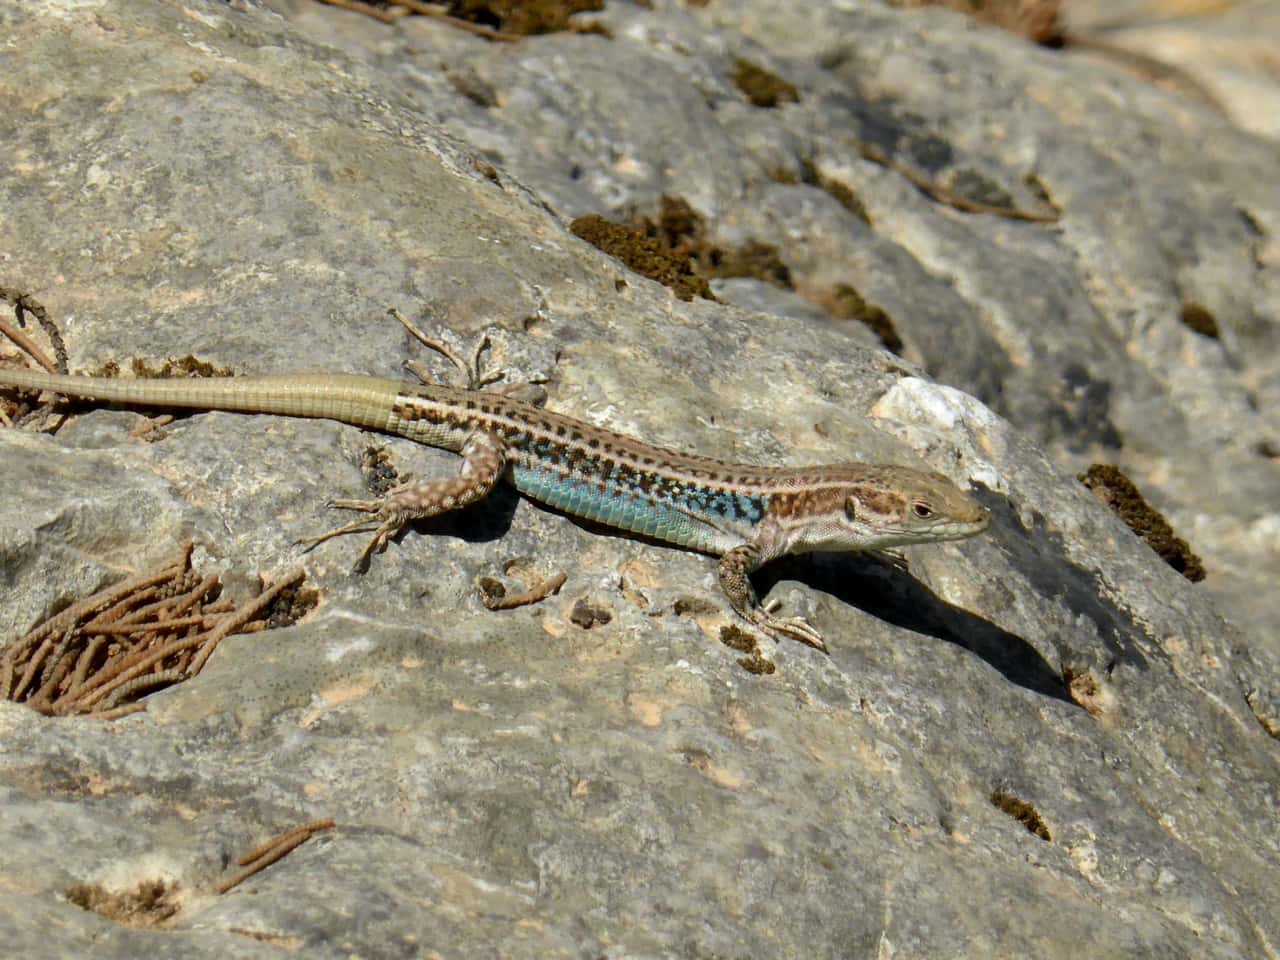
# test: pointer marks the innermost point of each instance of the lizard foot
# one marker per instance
(793, 628)
(384, 527)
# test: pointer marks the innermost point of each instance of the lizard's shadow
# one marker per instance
(896, 597)
(486, 520)
(859, 580)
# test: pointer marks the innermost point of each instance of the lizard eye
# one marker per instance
(922, 510)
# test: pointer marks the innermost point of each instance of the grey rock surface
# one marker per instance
(1221, 51)
(255, 186)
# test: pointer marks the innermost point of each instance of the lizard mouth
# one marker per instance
(977, 521)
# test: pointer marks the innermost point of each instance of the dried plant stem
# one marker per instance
(268, 853)
(26, 344)
(245, 614)
(127, 640)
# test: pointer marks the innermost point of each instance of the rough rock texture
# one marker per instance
(1040, 743)
(1222, 53)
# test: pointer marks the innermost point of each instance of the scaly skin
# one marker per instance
(745, 515)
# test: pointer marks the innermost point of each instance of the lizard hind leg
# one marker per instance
(483, 460)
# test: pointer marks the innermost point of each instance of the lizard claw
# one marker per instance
(893, 559)
(383, 527)
(793, 628)
(365, 506)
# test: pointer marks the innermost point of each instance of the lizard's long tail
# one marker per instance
(361, 401)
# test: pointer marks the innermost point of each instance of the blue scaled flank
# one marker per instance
(664, 512)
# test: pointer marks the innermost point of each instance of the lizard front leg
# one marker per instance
(735, 569)
(483, 460)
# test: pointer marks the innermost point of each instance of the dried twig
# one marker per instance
(240, 617)
(265, 854)
(395, 9)
(441, 12)
(125, 641)
(22, 305)
(368, 9)
(151, 428)
(493, 593)
(27, 345)
(937, 191)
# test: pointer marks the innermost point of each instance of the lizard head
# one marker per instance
(914, 507)
(861, 507)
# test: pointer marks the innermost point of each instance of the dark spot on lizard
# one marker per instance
(880, 501)
(782, 504)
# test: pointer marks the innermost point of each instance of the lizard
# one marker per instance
(745, 515)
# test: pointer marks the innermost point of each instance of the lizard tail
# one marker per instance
(360, 401)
